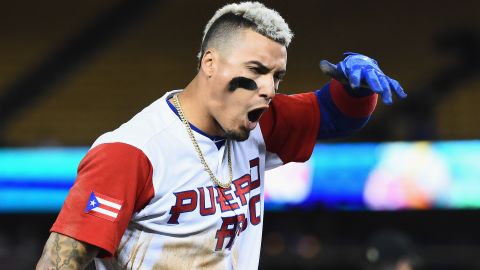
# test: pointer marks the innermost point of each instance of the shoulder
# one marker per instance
(152, 123)
(147, 131)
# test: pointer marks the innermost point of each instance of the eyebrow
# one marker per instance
(264, 69)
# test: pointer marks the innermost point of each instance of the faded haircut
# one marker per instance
(223, 27)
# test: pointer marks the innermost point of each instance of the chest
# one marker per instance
(188, 202)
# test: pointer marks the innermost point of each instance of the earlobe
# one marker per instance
(208, 63)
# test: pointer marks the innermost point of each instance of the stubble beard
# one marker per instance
(239, 136)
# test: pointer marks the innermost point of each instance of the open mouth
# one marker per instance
(254, 115)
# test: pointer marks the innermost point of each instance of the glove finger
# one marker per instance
(374, 83)
(397, 88)
(355, 77)
(372, 80)
(384, 84)
(332, 71)
(387, 92)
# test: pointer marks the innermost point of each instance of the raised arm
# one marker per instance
(293, 123)
(63, 252)
(362, 76)
(347, 102)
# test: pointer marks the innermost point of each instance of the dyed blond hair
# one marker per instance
(223, 26)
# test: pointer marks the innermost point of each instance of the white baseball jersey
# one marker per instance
(143, 196)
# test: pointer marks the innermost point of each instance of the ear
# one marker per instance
(208, 62)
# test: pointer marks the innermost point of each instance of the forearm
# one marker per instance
(63, 252)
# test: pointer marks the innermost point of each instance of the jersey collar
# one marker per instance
(218, 140)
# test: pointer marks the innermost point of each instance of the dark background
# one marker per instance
(70, 71)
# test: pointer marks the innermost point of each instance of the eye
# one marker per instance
(276, 83)
(255, 70)
(277, 79)
(279, 76)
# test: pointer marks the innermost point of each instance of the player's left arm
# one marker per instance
(347, 102)
(362, 76)
(294, 123)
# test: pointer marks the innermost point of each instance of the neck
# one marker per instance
(194, 102)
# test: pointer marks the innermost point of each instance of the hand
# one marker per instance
(360, 71)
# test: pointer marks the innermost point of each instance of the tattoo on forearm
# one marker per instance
(70, 254)
(62, 252)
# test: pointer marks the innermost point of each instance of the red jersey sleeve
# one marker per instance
(293, 123)
(290, 126)
(119, 177)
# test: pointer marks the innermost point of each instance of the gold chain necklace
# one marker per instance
(176, 103)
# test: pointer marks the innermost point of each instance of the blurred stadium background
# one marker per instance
(406, 186)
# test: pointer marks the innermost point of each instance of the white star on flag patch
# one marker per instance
(103, 206)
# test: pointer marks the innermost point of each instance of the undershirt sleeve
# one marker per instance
(119, 176)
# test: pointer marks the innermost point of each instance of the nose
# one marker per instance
(267, 88)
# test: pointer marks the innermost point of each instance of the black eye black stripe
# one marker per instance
(242, 82)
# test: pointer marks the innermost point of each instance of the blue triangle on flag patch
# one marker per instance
(92, 202)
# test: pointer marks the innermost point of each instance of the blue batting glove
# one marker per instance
(362, 72)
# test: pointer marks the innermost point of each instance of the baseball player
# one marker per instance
(180, 185)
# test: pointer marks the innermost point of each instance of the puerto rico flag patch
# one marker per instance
(103, 206)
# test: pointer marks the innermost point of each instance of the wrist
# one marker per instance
(357, 92)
